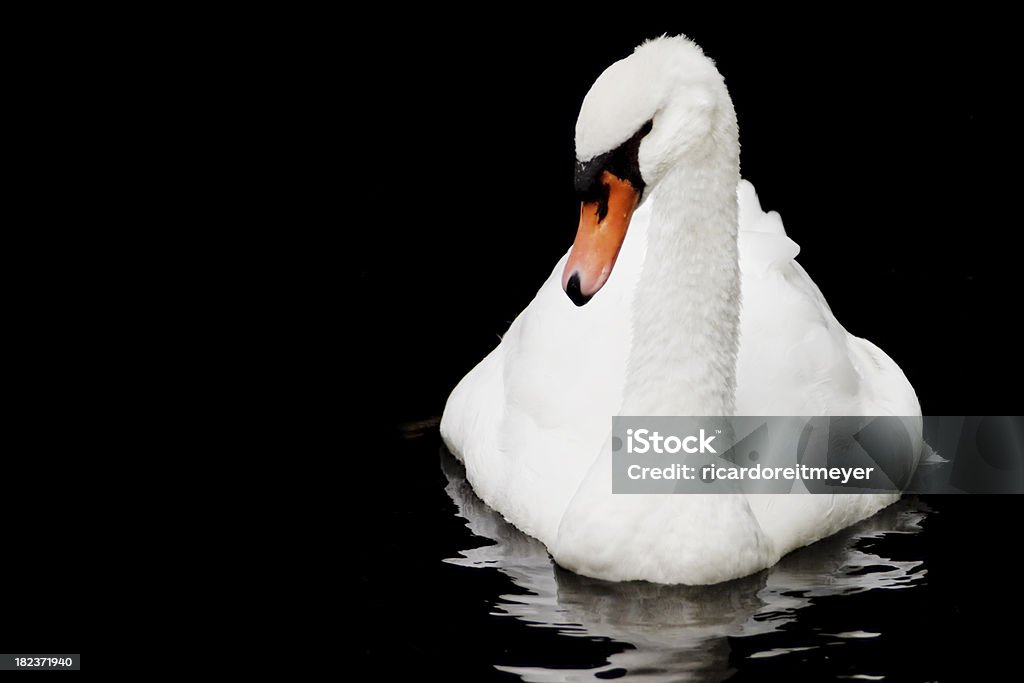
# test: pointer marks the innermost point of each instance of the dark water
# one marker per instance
(925, 590)
(905, 125)
(667, 633)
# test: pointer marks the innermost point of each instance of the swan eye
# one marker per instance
(622, 162)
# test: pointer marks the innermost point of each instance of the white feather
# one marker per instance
(531, 422)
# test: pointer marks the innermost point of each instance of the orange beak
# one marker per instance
(599, 239)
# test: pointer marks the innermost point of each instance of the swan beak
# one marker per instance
(598, 239)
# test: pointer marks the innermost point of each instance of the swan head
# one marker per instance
(647, 113)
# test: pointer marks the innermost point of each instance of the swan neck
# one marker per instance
(686, 309)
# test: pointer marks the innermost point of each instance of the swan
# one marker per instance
(679, 630)
(644, 316)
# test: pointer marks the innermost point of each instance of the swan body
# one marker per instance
(707, 312)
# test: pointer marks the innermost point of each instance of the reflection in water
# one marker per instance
(679, 632)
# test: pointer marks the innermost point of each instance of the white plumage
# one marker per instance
(532, 421)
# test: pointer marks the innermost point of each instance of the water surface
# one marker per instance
(824, 610)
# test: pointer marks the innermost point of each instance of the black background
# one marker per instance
(889, 150)
(889, 146)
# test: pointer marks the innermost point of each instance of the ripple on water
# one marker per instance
(676, 633)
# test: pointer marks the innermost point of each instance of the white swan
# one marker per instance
(665, 336)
